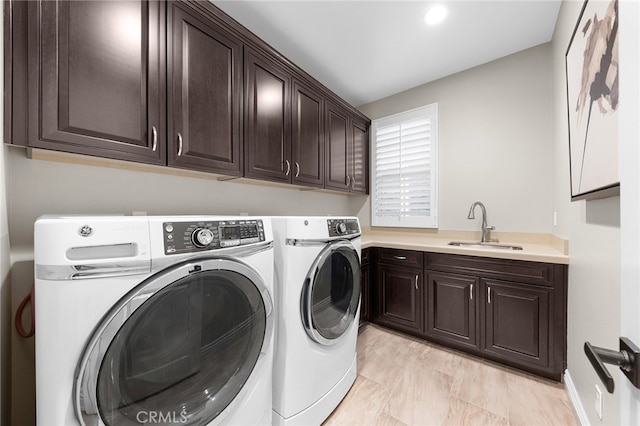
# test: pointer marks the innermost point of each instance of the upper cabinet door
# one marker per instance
(359, 157)
(267, 119)
(204, 94)
(337, 151)
(308, 136)
(100, 78)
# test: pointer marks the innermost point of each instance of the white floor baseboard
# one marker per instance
(575, 399)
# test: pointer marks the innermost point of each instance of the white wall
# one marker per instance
(629, 199)
(495, 141)
(593, 230)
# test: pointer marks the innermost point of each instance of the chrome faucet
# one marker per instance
(485, 228)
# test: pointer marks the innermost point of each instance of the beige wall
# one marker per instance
(503, 141)
(593, 229)
(5, 300)
(37, 187)
(5, 283)
(495, 141)
(5, 303)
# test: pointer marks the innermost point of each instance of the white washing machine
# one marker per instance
(163, 320)
(317, 261)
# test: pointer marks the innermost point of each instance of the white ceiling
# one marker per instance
(367, 50)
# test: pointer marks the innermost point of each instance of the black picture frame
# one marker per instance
(591, 62)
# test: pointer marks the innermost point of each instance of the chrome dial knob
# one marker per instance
(341, 228)
(202, 237)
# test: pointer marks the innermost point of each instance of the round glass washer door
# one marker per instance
(331, 293)
(177, 349)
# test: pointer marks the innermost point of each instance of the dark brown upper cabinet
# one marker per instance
(358, 157)
(337, 132)
(97, 78)
(307, 150)
(346, 151)
(284, 117)
(204, 94)
(175, 83)
(267, 119)
(16, 81)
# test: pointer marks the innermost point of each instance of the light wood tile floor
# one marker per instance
(406, 381)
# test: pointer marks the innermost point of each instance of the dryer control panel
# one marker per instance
(187, 237)
(342, 227)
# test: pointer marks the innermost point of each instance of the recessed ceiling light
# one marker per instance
(435, 14)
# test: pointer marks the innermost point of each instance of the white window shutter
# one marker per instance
(404, 169)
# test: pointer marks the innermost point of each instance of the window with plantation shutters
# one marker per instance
(404, 169)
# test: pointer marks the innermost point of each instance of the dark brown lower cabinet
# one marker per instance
(451, 308)
(400, 296)
(516, 322)
(365, 287)
(509, 311)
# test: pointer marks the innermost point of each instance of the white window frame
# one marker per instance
(427, 221)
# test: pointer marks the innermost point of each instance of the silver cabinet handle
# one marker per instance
(471, 292)
(353, 182)
(297, 169)
(416, 281)
(154, 138)
(347, 181)
(288, 164)
(489, 294)
(179, 144)
(400, 257)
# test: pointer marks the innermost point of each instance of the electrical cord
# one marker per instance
(29, 299)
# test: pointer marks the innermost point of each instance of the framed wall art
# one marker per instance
(592, 102)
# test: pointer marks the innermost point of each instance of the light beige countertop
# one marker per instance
(535, 247)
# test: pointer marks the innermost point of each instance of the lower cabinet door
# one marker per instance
(365, 293)
(399, 298)
(451, 308)
(516, 322)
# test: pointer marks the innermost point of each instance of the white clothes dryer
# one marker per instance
(163, 320)
(317, 262)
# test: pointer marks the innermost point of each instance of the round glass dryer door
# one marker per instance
(178, 349)
(331, 293)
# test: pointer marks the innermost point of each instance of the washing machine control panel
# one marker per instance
(187, 237)
(342, 227)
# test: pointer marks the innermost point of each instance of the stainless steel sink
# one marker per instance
(485, 245)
